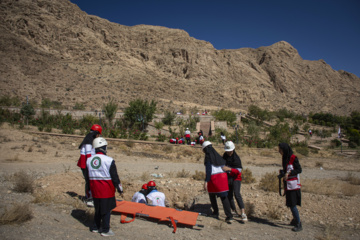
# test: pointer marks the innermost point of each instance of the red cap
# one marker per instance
(151, 184)
(144, 186)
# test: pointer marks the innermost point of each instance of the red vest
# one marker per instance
(218, 181)
(293, 181)
(101, 185)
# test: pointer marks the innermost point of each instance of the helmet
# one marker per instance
(229, 146)
(151, 184)
(144, 186)
(99, 142)
(96, 127)
(205, 144)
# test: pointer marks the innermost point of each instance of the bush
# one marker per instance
(199, 176)
(79, 106)
(269, 182)
(302, 150)
(183, 174)
(247, 176)
(140, 111)
(23, 182)
(110, 110)
(335, 142)
(168, 118)
(161, 137)
(225, 115)
(19, 213)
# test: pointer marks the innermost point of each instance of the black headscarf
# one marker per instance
(232, 161)
(89, 138)
(287, 152)
(212, 155)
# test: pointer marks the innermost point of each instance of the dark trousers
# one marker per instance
(188, 141)
(104, 218)
(234, 189)
(87, 187)
(225, 202)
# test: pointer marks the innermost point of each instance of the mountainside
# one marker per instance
(52, 49)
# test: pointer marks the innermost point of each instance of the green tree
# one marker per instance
(110, 111)
(27, 111)
(168, 118)
(140, 111)
(225, 115)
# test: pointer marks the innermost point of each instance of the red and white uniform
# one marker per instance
(172, 141)
(101, 184)
(187, 133)
(86, 151)
(235, 173)
(139, 198)
(293, 181)
(218, 181)
(157, 198)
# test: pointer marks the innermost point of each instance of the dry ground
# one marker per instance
(329, 211)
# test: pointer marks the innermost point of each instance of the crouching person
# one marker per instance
(140, 196)
(103, 180)
(155, 197)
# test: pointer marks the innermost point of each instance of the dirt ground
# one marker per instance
(330, 205)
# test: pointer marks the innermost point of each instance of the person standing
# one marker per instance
(223, 137)
(216, 181)
(86, 151)
(234, 169)
(187, 136)
(103, 180)
(291, 169)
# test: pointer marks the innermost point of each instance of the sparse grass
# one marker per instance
(130, 144)
(349, 189)
(329, 187)
(24, 182)
(303, 151)
(319, 164)
(66, 168)
(168, 149)
(269, 182)
(199, 176)
(249, 209)
(57, 154)
(145, 176)
(274, 212)
(183, 174)
(18, 213)
(329, 233)
(187, 152)
(247, 176)
(14, 159)
(43, 197)
(267, 153)
(352, 179)
(30, 149)
(171, 174)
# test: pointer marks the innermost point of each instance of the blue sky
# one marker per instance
(318, 29)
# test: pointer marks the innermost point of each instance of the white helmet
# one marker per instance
(205, 144)
(229, 146)
(99, 142)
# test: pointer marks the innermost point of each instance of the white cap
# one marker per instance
(99, 142)
(205, 144)
(229, 146)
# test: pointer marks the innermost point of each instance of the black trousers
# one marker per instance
(87, 187)
(234, 189)
(225, 202)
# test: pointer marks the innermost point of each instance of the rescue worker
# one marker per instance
(86, 151)
(291, 169)
(216, 181)
(201, 137)
(103, 180)
(173, 141)
(154, 197)
(223, 137)
(233, 168)
(187, 136)
(140, 196)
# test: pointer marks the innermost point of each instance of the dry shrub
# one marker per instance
(43, 197)
(14, 159)
(247, 176)
(187, 152)
(19, 213)
(352, 179)
(249, 209)
(130, 144)
(199, 176)
(349, 189)
(24, 182)
(171, 174)
(168, 149)
(267, 153)
(269, 182)
(329, 233)
(30, 149)
(183, 174)
(145, 176)
(319, 164)
(274, 212)
(321, 186)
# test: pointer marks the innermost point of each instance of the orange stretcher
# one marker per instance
(161, 213)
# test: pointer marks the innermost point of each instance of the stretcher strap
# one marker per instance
(123, 217)
(173, 223)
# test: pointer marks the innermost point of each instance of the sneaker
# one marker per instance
(90, 203)
(244, 217)
(95, 230)
(229, 219)
(297, 228)
(234, 213)
(108, 234)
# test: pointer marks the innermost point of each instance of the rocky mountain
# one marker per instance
(51, 49)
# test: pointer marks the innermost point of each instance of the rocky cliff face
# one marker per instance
(52, 49)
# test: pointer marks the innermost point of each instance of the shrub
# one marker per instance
(199, 176)
(79, 106)
(160, 137)
(302, 150)
(352, 145)
(269, 182)
(225, 115)
(247, 176)
(140, 111)
(110, 110)
(18, 213)
(23, 182)
(335, 143)
(183, 174)
(168, 118)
